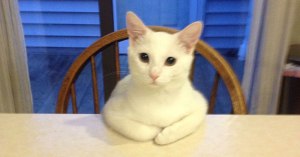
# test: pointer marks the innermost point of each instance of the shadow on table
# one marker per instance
(95, 127)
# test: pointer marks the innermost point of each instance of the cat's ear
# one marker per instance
(135, 26)
(190, 35)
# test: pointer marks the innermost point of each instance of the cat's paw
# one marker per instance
(164, 137)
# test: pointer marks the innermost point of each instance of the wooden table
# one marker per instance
(53, 135)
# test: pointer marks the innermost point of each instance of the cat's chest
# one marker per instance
(160, 108)
(159, 111)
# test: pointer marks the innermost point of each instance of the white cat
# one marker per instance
(156, 101)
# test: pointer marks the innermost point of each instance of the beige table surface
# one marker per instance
(47, 135)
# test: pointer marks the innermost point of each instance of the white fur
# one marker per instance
(168, 108)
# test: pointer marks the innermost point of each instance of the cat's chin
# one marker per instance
(153, 85)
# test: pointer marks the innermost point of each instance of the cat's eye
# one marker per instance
(144, 57)
(170, 61)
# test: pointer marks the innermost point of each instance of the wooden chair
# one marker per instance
(223, 71)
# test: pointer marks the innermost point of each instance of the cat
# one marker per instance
(157, 101)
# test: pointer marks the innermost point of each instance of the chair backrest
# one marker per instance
(223, 71)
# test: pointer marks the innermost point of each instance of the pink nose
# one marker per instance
(154, 76)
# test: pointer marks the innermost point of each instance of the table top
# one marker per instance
(86, 135)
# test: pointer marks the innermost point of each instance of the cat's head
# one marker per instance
(157, 58)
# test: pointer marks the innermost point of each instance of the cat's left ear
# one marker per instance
(190, 35)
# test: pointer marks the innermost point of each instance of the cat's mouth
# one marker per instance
(153, 83)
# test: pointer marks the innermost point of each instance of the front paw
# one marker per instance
(164, 137)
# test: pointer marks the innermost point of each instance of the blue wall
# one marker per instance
(75, 23)
(60, 23)
(225, 23)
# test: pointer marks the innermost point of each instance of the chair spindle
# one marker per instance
(192, 72)
(213, 94)
(73, 95)
(117, 61)
(95, 85)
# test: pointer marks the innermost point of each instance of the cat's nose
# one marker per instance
(154, 76)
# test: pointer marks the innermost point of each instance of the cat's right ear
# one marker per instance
(135, 26)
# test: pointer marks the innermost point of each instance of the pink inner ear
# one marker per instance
(135, 26)
(190, 35)
(135, 34)
(188, 42)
